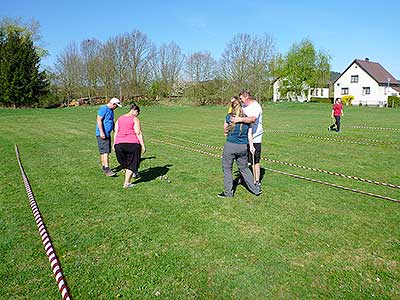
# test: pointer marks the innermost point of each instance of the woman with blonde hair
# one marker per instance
(129, 144)
(238, 136)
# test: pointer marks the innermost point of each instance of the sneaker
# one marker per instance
(329, 128)
(136, 175)
(109, 173)
(129, 185)
(259, 193)
(223, 195)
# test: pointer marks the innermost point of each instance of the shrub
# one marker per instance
(321, 100)
(393, 101)
(347, 99)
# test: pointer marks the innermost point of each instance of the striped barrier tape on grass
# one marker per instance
(284, 173)
(335, 139)
(44, 235)
(325, 138)
(374, 128)
(299, 166)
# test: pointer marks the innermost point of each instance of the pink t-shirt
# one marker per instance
(126, 132)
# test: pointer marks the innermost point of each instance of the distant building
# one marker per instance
(368, 82)
(305, 95)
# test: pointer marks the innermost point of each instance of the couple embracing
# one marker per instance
(243, 131)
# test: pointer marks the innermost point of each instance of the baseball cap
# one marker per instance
(116, 102)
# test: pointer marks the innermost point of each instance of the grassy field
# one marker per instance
(160, 240)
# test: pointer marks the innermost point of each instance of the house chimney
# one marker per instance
(366, 59)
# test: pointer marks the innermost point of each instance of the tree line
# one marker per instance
(131, 66)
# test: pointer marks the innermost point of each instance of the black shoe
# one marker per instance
(223, 195)
(259, 193)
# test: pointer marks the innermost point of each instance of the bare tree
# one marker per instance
(141, 52)
(68, 70)
(170, 64)
(200, 71)
(246, 62)
(200, 67)
(90, 51)
(107, 71)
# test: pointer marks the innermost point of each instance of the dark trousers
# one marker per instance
(337, 124)
(128, 156)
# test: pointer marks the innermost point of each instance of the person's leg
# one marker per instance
(227, 162)
(104, 161)
(241, 162)
(337, 123)
(257, 157)
(104, 150)
(135, 158)
(128, 177)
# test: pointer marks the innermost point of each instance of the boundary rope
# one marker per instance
(300, 166)
(286, 173)
(44, 235)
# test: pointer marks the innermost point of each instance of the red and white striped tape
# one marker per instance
(375, 128)
(44, 235)
(299, 166)
(348, 141)
(286, 173)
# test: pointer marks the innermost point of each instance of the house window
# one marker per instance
(366, 90)
(354, 79)
(345, 91)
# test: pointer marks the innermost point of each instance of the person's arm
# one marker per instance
(115, 132)
(342, 111)
(100, 126)
(250, 137)
(246, 120)
(225, 129)
(139, 134)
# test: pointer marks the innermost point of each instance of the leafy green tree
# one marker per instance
(21, 82)
(304, 67)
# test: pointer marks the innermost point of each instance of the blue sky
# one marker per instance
(345, 29)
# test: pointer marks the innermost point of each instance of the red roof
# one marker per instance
(375, 70)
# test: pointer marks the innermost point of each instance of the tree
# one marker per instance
(304, 67)
(69, 71)
(246, 62)
(29, 29)
(200, 71)
(170, 62)
(21, 82)
(90, 52)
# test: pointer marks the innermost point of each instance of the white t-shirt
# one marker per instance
(254, 110)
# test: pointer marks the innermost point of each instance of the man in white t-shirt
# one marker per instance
(253, 112)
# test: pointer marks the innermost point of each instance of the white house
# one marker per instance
(312, 93)
(368, 82)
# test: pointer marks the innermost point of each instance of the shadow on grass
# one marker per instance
(152, 173)
(239, 180)
(119, 168)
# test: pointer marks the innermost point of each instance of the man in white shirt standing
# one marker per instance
(253, 112)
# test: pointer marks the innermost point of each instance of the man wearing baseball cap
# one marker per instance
(104, 127)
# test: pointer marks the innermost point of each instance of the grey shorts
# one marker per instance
(104, 145)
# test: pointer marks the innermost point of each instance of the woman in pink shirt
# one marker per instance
(129, 144)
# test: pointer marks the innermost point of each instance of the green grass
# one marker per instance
(299, 240)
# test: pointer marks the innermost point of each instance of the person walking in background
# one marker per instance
(238, 136)
(129, 144)
(337, 112)
(104, 127)
(253, 115)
